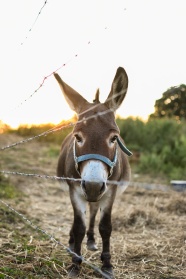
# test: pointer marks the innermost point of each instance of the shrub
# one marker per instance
(161, 143)
(35, 130)
(132, 130)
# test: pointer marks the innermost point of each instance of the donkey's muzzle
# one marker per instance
(92, 190)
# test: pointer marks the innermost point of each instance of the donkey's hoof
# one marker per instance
(108, 271)
(91, 245)
(73, 271)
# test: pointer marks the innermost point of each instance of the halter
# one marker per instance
(104, 159)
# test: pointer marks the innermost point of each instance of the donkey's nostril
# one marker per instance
(102, 188)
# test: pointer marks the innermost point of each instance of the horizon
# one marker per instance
(63, 121)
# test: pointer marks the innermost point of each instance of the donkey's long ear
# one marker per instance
(118, 90)
(73, 98)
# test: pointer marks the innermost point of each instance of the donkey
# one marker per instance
(95, 153)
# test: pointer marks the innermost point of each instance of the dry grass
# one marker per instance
(148, 239)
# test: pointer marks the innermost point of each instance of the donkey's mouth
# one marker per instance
(93, 199)
(93, 191)
(90, 200)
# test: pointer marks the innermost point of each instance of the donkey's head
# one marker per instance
(95, 135)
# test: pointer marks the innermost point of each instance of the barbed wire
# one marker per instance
(53, 239)
(52, 130)
(145, 185)
(48, 76)
(43, 81)
(35, 21)
(56, 128)
(45, 176)
(64, 64)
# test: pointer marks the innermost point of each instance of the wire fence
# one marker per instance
(41, 176)
(43, 81)
(49, 75)
(52, 130)
(30, 29)
(75, 55)
(145, 185)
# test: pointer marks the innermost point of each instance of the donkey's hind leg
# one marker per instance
(91, 245)
(71, 240)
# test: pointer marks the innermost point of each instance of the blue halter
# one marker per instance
(104, 159)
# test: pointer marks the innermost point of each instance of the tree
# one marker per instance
(172, 104)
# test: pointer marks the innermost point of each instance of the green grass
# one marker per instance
(53, 151)
(8, 190)
(27, 253)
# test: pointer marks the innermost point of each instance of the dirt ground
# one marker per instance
(149, 226)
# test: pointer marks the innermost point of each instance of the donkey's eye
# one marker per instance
(78, 138)
(113, 139)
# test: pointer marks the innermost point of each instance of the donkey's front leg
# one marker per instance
(105, 229)
(91, 245)
(77, 233)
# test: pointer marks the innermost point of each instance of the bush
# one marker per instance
(160, 133)
(162, 145)
(35, 130)
(132, 130)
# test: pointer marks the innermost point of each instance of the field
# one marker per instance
(149, 226)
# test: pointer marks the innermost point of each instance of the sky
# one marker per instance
(87, 41)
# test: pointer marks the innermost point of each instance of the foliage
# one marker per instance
(132, 131)
(161, 143)
(57, 136)
(172, 104)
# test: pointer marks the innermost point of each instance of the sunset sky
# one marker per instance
(92, 39)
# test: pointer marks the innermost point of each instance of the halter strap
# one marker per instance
(86, 157)
(123, 147)
(104, 159)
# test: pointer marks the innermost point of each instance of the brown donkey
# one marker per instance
(94, 153)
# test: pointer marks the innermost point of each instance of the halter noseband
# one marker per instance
(104, 159)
